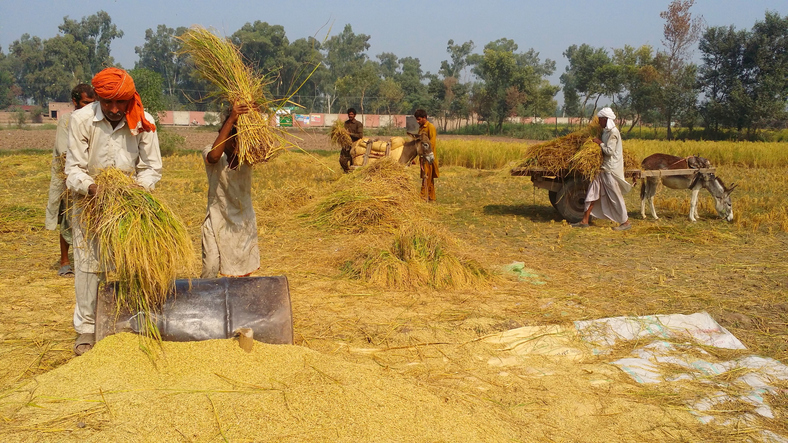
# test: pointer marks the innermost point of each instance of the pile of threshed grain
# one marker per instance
(417, 255)
(377, 197)
(575, 152)
(141, 242)
(213, 389)
(220, 62)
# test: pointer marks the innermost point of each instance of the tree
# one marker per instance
(264, 47)
(720, 77)
(161, 53)
(681, 31)
(743, 75)
(96, 33)
(509, 81)
(639, 86)
(150, 87)
(345, 55)
(584, 78)
(304, 70)
(453, 96)
(6, 82)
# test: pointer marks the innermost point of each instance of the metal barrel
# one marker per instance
(204, 309)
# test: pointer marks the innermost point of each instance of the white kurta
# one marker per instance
(58, 201)
(93, 145)
(229, 231)
(608, 187)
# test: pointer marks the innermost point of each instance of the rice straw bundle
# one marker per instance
(378, 196)
(572, 152)
(220, 62)
(418, 255)
(588, 160)
(339, 135)
(141, 242)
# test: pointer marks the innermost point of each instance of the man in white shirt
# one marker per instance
(115, 131)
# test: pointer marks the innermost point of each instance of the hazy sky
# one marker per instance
(405, 28)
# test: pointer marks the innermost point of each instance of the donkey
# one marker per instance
(419, 145)
(693, 181)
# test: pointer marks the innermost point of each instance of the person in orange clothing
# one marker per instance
(115, 131)
(429, 171)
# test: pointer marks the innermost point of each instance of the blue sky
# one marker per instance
(405, 28)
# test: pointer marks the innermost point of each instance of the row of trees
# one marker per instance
(741, 82)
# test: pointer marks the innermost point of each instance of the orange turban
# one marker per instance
(117, 84)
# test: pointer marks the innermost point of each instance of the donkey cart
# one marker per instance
(567, 189)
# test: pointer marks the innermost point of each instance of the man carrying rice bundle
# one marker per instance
(115, 131)
(605, 197)
(57, 206)
(229, 231)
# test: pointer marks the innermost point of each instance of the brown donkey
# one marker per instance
(693, 181)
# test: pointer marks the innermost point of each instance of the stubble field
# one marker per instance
(425, 338)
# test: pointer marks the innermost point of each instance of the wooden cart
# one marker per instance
(567, 190)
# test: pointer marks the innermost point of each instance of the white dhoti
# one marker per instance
(606, 192)
(229, 230)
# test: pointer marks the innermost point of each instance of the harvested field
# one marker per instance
(372, 363)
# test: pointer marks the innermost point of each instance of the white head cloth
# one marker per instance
(611, 117)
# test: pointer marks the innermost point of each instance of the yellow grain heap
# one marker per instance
(573, 152)
(215, 391)
(141, 242)
(220, 62)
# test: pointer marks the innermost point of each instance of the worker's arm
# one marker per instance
(223, 142)
(149, 163)
(609, 148)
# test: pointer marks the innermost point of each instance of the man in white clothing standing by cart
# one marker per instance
(605, 197)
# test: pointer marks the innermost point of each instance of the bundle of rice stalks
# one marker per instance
(220, 62)
(377, 196)
(141, 242)
(339, 135)
(418, 256)
(573, 152)
(588, 159)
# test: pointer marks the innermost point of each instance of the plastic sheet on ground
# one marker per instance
(672, 352)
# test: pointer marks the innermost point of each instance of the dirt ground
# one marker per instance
(196, 139)
(426, 337)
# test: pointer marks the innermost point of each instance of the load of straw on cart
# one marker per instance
(573, 154)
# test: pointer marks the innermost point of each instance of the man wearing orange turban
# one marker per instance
(115, 85)
(115, 132)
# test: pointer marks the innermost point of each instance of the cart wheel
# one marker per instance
(571, 199)
(553, 195)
